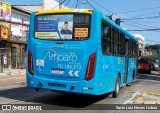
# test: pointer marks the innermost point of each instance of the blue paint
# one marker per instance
(66, 63)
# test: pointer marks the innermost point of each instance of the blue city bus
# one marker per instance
(79, 51)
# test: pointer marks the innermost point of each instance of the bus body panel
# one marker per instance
(112, 66)
(50, 55)
(63, 61)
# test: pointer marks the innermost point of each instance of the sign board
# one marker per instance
(5, 11)
(5, 32)
(19, 32)
(54, 26)
(5, 24)
(81, 32)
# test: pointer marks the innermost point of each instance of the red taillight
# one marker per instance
(90, 67)
(30, 63)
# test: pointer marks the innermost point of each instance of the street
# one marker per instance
(20, 94)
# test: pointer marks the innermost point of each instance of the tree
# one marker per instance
(154, 58)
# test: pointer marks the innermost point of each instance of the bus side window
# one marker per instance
(106, 38)
(132, 48)
(115, 35)
(135, 49)
(122, 44)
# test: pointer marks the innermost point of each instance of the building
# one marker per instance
(46, 4)
(141, 44)
(14, 26)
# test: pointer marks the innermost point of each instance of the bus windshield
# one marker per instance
(62, 26)
(143, 61)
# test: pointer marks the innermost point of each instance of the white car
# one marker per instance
(154, 66)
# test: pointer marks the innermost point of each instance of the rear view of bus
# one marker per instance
(61, 52)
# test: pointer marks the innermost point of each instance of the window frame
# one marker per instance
(111, 40)
(73, 38)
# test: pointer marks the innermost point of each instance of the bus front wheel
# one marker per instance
(117, 88)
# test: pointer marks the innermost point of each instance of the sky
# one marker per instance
(144, 14)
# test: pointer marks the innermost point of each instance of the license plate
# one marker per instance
(58, 72)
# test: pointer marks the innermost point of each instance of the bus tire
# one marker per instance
(117, 88)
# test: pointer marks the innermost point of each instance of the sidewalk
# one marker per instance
(12, 72)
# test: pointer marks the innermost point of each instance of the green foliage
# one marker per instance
(153, 47)
(154, 58)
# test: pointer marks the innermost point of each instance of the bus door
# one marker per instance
(126, 60)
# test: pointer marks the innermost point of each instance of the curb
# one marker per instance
(12, 73)
(150, 77)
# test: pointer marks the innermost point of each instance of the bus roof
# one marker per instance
(84, 11)
(66, 10)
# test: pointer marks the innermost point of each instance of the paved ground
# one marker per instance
(12, 81)
(7, 72)
(19, 94)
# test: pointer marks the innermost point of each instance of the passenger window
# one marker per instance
(132, 48)
(113, 41)
(122, 44)
(106, 38)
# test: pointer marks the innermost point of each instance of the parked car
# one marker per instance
(154, 66)
(144, 64)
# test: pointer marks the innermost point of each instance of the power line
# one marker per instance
(122, 17)
(135, 26)
(142, 28)
(102, 6)
(66, 3)
(142, 24)
(125, 18)
(76, 3)
(58, 4)
(90, 4)
(139, 10)
(145, 30)
(145, 14)
(146, 22)
(141, 18)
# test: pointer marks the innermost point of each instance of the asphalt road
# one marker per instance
(65, 103)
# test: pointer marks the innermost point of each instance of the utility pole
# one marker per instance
(77, 4)
(118, 21)
(60, 4)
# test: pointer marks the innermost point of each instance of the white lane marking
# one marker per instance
(130, 100)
